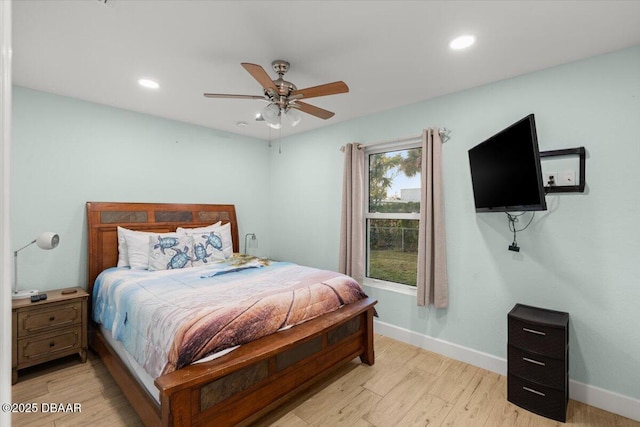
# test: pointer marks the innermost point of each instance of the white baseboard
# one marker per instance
(591, 395)
(605, 399)
(454, 351)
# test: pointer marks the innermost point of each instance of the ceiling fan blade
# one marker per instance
(258, 73)
(313, 110)
(225, 95)
(322, 90)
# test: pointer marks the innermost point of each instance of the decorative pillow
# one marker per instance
(219, 236)
(139, 240)
(207, 247)
(169, 251)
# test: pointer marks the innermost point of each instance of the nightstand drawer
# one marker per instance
(42, 319)
(538, 339)
(49, 346)
(541, 369)
(534, 397)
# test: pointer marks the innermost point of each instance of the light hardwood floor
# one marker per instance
(407, 386)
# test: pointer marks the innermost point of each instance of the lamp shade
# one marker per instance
(293, 116)
(271, 115)
(47, 240)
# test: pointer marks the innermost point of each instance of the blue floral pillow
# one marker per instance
(170, 252)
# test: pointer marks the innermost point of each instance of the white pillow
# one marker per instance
(169, 251)
(211, 227)
(123, 257)
(123, 249)
(216, 234)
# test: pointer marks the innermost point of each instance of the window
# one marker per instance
(392, 215)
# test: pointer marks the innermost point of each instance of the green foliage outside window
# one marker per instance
(383, 169)
(393, 242)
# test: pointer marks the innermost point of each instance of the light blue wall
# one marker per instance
(581, 256)
(66, 152)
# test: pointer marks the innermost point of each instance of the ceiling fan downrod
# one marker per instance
(285, 88)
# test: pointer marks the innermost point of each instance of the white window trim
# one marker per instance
(400, 288)
(370, 281)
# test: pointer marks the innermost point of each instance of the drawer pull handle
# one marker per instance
(530, 390)
(52, 318)
(52, 343)
(533, 331)
(535, 362)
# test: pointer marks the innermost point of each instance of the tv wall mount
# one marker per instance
(579, 151)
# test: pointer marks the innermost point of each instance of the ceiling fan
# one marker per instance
(283, 96)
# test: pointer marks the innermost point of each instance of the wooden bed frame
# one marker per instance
(242, 386)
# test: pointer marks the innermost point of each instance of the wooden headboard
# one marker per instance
(103, 219)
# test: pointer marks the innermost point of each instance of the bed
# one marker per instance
(241, 386)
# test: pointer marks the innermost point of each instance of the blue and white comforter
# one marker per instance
(169, 319)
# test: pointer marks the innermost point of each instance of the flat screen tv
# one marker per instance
(505, 170)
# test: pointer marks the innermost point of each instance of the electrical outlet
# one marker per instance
(550, 179)
(567, 178)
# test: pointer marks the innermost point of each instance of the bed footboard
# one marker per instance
(242, 386)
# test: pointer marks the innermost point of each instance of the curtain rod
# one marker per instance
(444, 133)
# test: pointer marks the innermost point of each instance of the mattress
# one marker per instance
(138, 371)
(134, 367)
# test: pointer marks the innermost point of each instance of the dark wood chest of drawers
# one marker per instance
(538, 360)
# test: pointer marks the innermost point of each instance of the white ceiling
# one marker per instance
(390, 53)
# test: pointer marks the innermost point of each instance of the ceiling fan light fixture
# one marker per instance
(271, 115)
(293, 116)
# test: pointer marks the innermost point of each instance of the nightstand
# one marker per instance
(48, 329)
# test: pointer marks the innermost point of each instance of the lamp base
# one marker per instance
(24, 294)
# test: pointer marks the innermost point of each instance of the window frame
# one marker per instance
(371, 281)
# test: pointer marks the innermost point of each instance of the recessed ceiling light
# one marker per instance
(150, 84)
(242, 124)
(462, 42)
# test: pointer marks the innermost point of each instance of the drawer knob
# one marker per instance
(52, 343)
(535, 362)
(530, 390)
(52, 318)
(533, 331)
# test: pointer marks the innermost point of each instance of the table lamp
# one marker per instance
(46, 240)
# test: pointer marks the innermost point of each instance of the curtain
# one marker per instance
(432, 259)
(351, 261)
